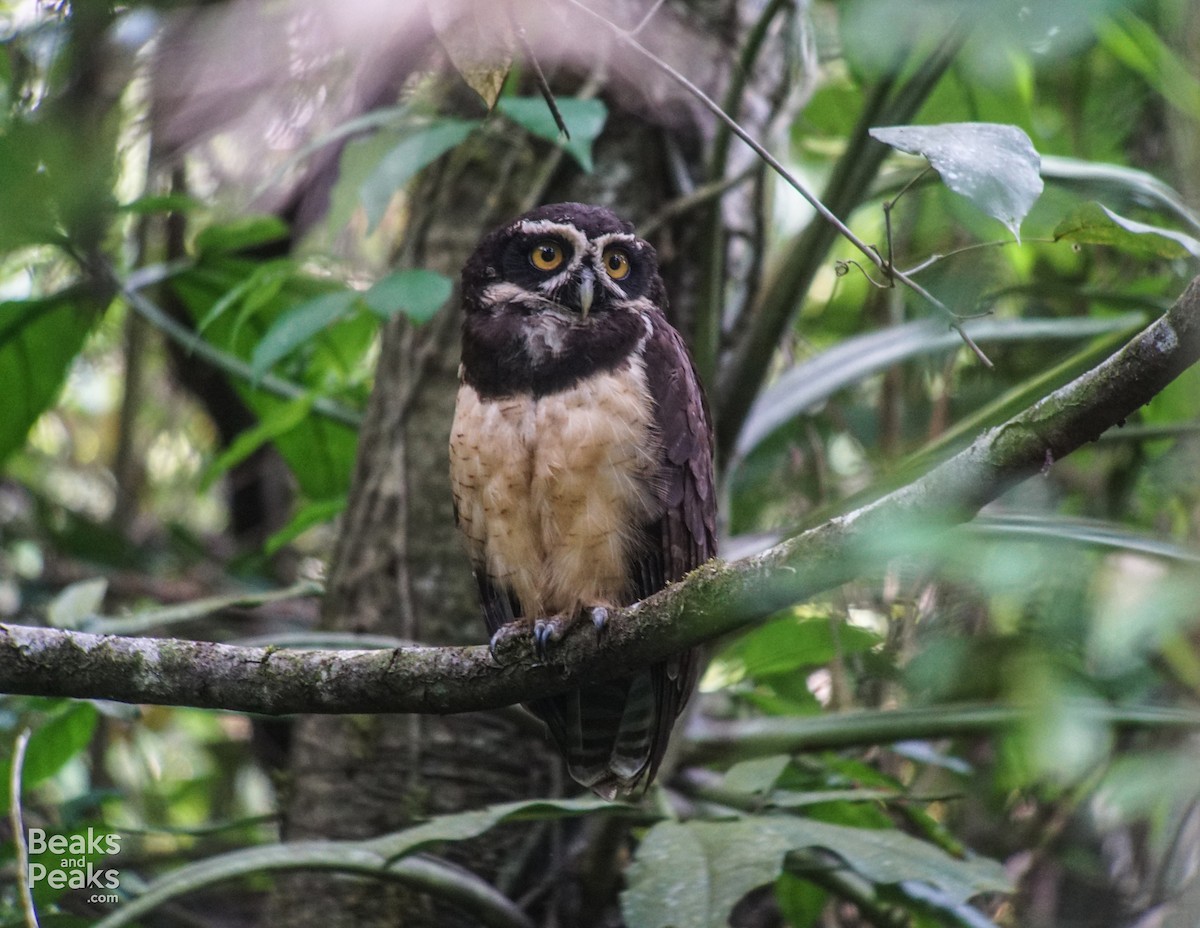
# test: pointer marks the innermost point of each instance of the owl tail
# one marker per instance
(613, 735)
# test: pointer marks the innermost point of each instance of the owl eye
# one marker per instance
(616, 263)
(546, 256)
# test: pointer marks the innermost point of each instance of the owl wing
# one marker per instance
(685, 535)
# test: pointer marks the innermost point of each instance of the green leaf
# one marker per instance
(241, 234)
(265, 282)
(670, 881)
(416, 150)
(1129, 183)
(1136, 44)
(377, 856)
(1080, 531)
(277, 422)
(417, 293)
(38, 341)
(77, 603)
(584, 119)
(789, 644)
(319, 451)
(994, 166)
(29, 193)
(1095, 224)
(800, 901)
(464, 825)
(297, 326)
(51, 746)
(810, 383)
(315, 513)
(693, 874)
(758, 775)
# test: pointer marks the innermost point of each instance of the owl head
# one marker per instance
(560, 292)
(570, 260)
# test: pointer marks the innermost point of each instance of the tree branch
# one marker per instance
(713, 600)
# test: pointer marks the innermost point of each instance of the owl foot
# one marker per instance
(543, 630)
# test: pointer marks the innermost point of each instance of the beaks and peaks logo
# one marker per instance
(74, 860)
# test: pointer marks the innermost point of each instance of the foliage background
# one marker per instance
(1029, 668)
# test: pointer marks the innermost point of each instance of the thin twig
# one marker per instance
(792, 181)
(539, 78)
(645, 20)
(147, 619)
(16, 817)
(998, 243)
(698, 197)
(843, 267)
(888, 206)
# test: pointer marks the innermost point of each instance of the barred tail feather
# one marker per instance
(613, 735)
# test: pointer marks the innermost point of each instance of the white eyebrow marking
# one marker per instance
(598, 245)
(563, 230)
(569, 234)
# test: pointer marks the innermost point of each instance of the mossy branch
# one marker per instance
(713, 600)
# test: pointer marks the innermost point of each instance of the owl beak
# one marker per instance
(587, 291)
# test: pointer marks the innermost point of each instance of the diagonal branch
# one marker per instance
(713, 600)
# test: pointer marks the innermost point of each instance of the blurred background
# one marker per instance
(223, 224)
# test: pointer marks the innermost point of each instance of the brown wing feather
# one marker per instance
(685, 535)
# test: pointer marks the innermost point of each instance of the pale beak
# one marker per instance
(587, 284)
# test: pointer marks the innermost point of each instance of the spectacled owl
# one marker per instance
(581, 460)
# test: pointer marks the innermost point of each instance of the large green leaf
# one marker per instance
(38, 341)
(994, 166)
(690, 875)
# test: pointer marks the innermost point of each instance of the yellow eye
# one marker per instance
(616, 263)
(546, 256)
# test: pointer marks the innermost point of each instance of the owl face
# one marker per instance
(554, 295)
(570, 260)
(559, 268)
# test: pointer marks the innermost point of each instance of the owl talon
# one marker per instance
(499, 640)
(599, 618)
(544, 632)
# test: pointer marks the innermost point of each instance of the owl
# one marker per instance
(581, 462)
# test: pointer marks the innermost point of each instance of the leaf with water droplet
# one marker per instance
(994, 166)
